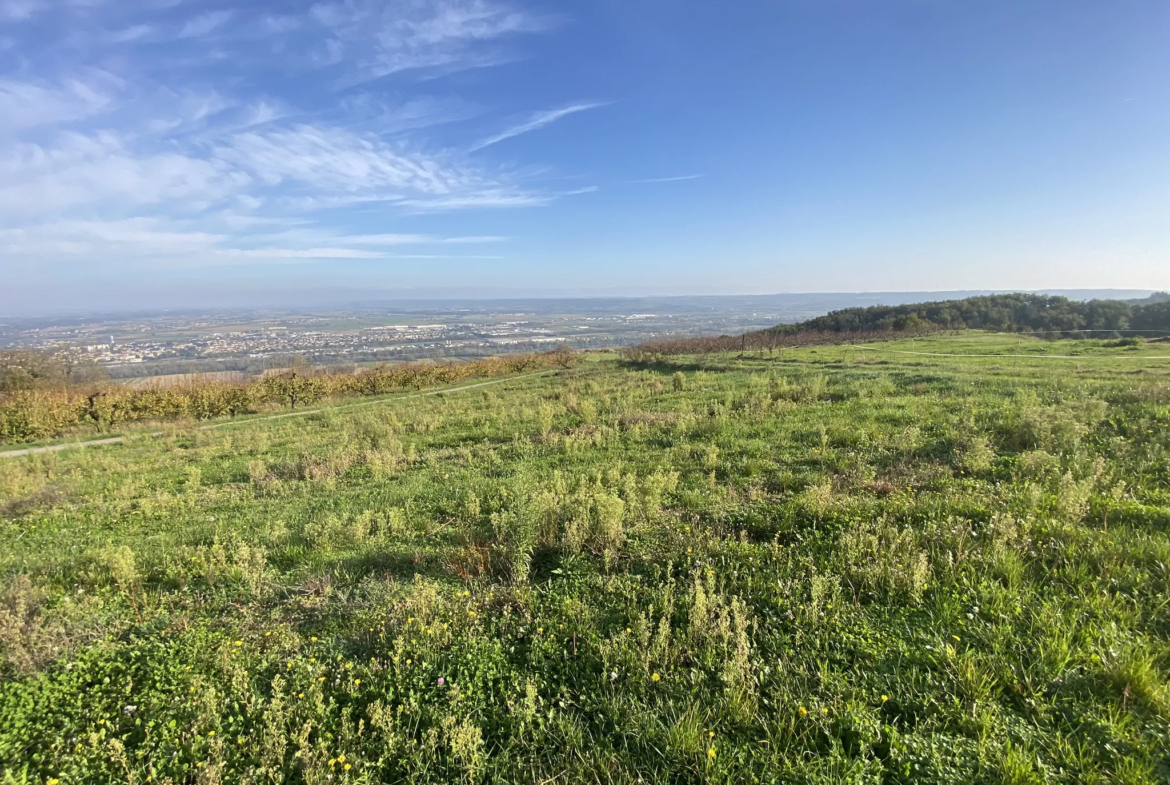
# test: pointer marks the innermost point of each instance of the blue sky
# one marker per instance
(164, 151)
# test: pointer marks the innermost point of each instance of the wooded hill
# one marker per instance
(1004, 312)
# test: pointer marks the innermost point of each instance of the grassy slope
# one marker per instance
(836, 565)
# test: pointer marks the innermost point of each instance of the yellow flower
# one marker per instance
(408, 662)
(956, 637)
(802, 711)
(313, 639)
(885, 698)
(210, 733)
(711, 734)
(711, 752)
(824, 711)
(333, 761)
(655, 677)
(348, 767)
(52, 781)
(356, 682)
(341, 759)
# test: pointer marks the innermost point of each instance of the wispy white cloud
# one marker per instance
(164, 241)
(677, 179)
(298, 253)
(131, 34)
(383, 38)
(19, 10)
(420, 239)
(101, 172)
(26, 104)
(535, 122)
(159, 161)
(205, 23)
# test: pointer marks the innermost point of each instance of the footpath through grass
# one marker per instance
(832, 565)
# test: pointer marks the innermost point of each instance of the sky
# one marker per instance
(182, 152)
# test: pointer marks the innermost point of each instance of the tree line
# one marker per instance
(1047, 315)
(1002, 312)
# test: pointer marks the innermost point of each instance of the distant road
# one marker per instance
(302, 413)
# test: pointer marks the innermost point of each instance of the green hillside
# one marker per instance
(940, 560)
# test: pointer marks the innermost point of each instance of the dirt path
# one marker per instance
(302, 413)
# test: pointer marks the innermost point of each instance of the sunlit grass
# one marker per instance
(831, 565)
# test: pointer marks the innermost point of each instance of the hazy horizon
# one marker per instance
(351, 299)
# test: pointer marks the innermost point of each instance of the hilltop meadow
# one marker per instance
(897, 562)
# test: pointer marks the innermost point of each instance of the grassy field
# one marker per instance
(835, 565)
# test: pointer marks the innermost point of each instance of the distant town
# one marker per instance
(145, 344)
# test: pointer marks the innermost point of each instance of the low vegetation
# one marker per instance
(863, 564)
(43, 410)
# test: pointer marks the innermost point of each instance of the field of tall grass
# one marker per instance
(831, 564)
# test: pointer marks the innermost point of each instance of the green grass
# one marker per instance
(832, 565)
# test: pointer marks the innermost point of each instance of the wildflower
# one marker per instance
(348, 767)
(238, 643)
(956, 637)
(313, 639)
(711, 752)
(333, 761)
(885, 698)
(408, 662)
(341, 758)
(357, 682)
(442, 681)
(711, 734)
(802, 711)
(210, 733)
(655, 677)
(824, 711)
(52, 781)
(320, 678)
